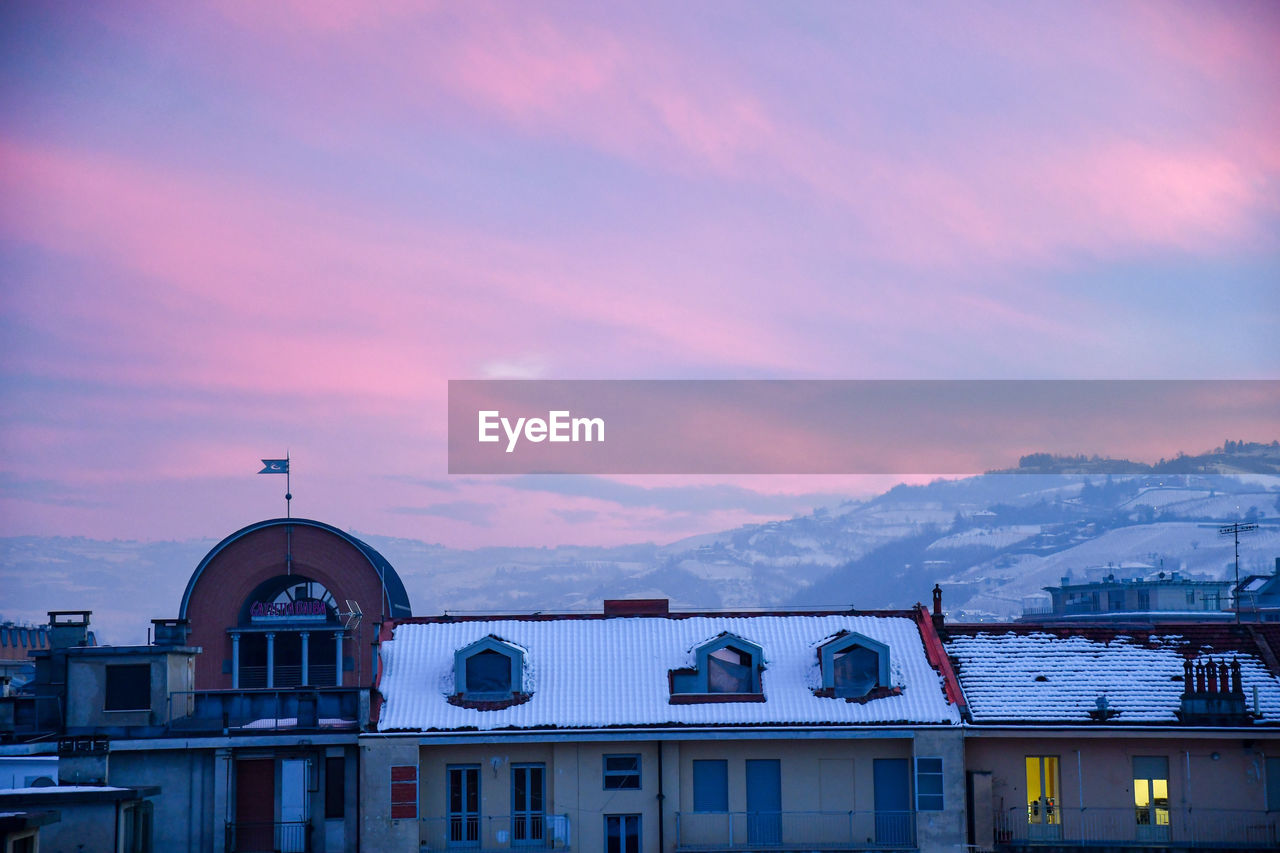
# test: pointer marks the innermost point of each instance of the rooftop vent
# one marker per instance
(637, 607)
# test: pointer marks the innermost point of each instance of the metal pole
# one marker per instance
(1236, 528)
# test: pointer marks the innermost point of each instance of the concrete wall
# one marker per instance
(87, 687)
(946, 829)
(83, 828)
(574, 786)
(378, 830)
(19, 771)
(184, 816)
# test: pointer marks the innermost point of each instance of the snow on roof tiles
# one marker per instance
(1037, 676)
(593, 673)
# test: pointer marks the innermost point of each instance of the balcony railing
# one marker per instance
(1155, 827)
(283, 837)
(506, 832)
(808, 830)
(307, 707)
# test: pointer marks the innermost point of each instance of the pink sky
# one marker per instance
(233, 229)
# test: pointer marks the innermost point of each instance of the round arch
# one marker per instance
(264, 556)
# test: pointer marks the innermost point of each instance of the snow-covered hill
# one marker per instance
(992, 541)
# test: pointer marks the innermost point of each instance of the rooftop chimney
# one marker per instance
(636, 607)
(68, 628)
(171, 632)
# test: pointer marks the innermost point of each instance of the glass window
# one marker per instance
(622, 833)
(528, 811)
(128, 687)
(335, 777)
(488, 671)
(1273, 784)
(729, 671)
(929, 784)
(464, 804)
(856, 671)
(711, 786)
(1151, 792)
(622, 772)
(1042, 790)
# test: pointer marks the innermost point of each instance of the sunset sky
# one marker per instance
(230, 230)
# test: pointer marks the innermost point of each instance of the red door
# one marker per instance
(255, 805)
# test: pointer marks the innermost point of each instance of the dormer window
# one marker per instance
(853, 666)
(728, 670)
(489, 670)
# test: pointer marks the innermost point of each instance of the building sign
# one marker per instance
(306, 610)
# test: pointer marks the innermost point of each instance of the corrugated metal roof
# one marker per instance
(590, 673)
(1034, 675)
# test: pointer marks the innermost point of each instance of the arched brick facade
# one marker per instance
(229, 574)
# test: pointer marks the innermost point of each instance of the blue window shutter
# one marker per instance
(711, 786)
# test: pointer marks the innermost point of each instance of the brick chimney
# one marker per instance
(637, 606)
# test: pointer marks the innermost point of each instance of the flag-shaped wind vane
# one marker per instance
(281, 466)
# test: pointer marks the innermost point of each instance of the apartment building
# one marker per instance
(638, 729)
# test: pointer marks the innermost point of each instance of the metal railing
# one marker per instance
(306, 707)
(807, 830)
(1133, 826)
(289, 675)
(476, 833)
(279, 837)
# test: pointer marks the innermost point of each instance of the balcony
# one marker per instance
(285, 837)
(23, 717)
(328, 708)
(1137, 828)
(476, 834)
(810, 830)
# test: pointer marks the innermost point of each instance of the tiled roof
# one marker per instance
(17, 640)
(613, 672)
(1024, 673)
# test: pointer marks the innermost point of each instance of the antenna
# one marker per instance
(352, 616)
(1235, 529)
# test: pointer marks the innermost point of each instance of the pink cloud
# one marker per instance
(996, 191)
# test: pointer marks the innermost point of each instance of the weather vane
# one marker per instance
(281, 466)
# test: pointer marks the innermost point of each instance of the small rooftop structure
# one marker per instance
(1162, 597)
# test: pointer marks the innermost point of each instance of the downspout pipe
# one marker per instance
(662, 811)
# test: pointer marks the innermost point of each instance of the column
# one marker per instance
(306, 678)
(337, 656)
(235, 660)
(271, 660)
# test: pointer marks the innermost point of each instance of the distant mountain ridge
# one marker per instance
(1233, 457)
(992, 541)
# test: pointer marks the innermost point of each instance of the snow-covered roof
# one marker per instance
(614, 672)
(1030, 675)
